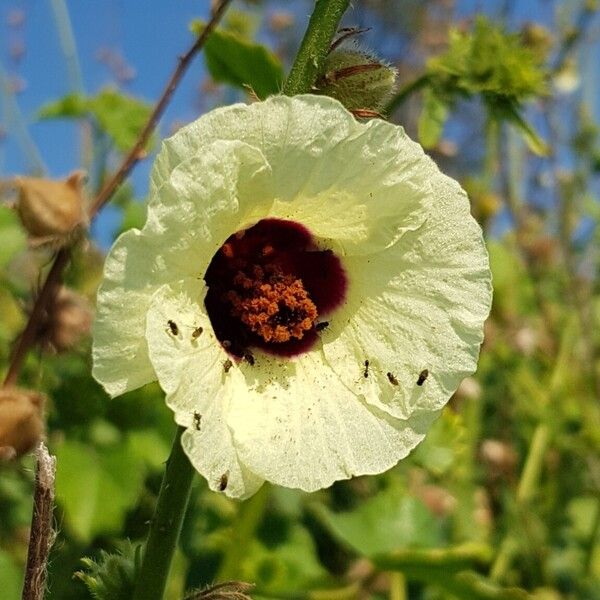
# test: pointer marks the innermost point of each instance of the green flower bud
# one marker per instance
(358, 79)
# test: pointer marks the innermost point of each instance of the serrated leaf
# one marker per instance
(239, 62)
(432, 119)
(390, 521)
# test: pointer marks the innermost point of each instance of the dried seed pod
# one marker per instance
(21, 421)
(51, 211)
(68, 320)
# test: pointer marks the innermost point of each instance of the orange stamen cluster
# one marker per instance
(274, 305)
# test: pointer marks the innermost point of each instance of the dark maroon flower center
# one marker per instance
(269, 287)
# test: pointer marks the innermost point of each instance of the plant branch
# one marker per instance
(404, 92)
(315, 46)
(41, 534)
(27, 338)
(166, 524)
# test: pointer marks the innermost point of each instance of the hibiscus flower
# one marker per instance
(308, 291)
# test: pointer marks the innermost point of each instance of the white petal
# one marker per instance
(119, 350)
(300, 426)
(419, 305)
(357, 187)
(213, 193)
(217, 192)
(191, 371)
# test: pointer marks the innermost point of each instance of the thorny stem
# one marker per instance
(27, 338)
(41, 534)
(166, 524)
(315, 46)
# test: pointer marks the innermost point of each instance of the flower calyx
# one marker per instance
(51, 211)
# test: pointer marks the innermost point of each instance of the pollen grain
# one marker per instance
(274, 305)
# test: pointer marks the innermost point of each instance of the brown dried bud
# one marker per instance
(68, 320)
(51, 211)
(21, 421)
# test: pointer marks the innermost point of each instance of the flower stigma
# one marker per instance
(268, 286)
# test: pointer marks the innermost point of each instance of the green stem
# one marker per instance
(166, 524)
(18, 126)
(457, 558)
(534, 463)
(590, 546)
(315, 46)
(404, 92)
(525, 492)
(250, 514)
(398, 587)
(67, 42)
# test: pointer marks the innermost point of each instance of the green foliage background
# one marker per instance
(502, 499)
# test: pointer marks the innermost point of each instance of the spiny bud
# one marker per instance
(358, 79)
(228, 590)
(51, 210)
(21, 421)
(68, 320)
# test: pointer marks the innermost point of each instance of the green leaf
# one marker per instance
(11, 578)
(95, 488)
(239, 62)
(445, 444)
(12, 235)
(118, 115)
(122, 117)
(509, 112)
(291, 565)
(389, 521)
(432, 119)
(69, 107)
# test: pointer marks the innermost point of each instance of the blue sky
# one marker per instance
(149, 35)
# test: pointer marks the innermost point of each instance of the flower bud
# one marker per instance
(228, 590)
(51, 210)
(68, 320)
(21, 421)
(358, 79)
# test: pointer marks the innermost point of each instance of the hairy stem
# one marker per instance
(166, 524)
(315, 46)
(41, 534)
